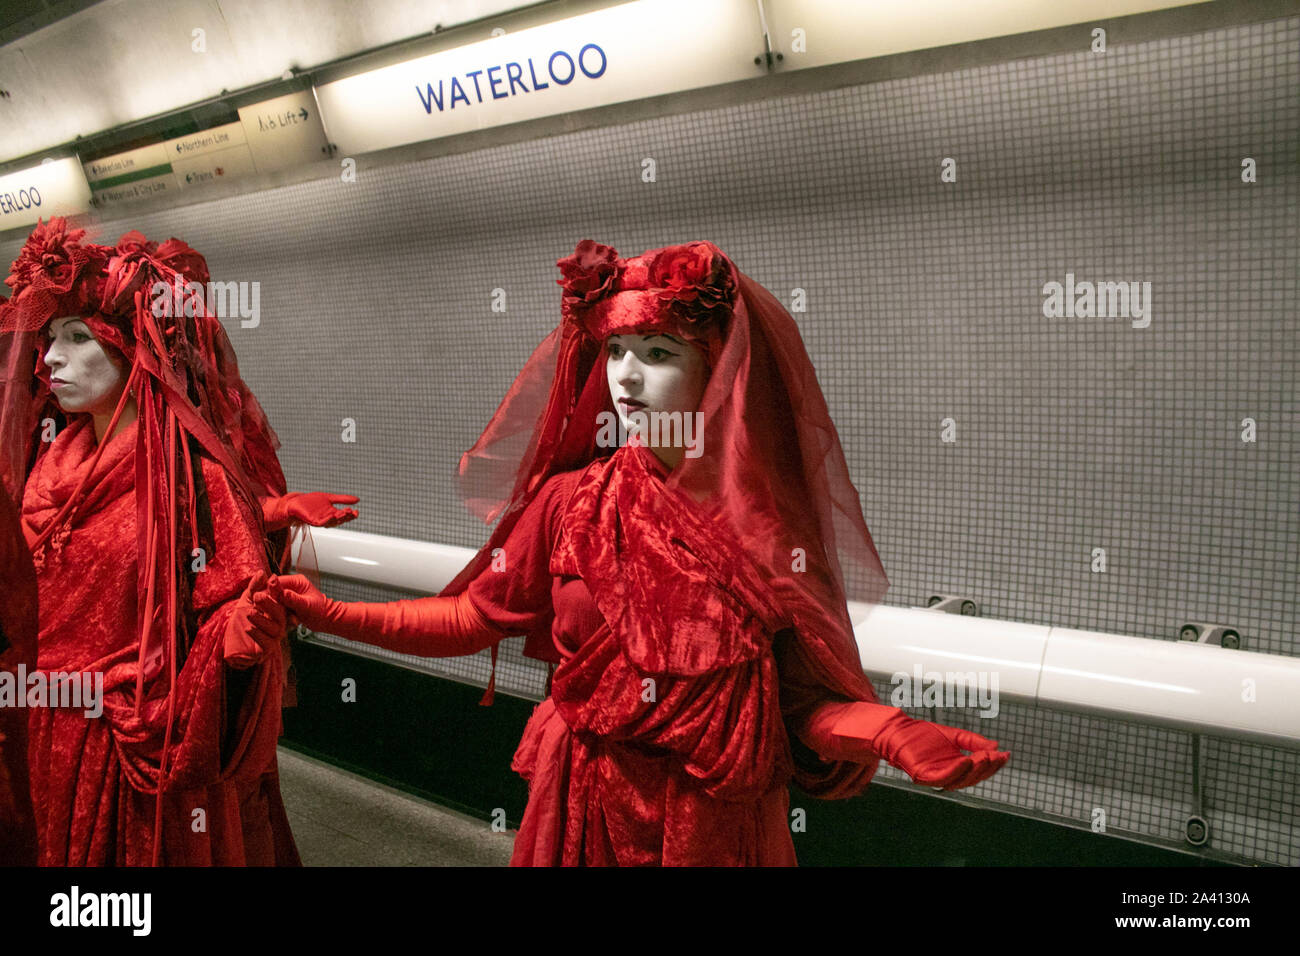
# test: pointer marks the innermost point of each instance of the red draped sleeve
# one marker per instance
(803, 693)
(514, 590)
(220, 753)
(199, 725)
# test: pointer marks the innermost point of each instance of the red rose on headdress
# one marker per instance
(589, 273)
(135, 241)
(694, 280)
(125, 273)
(51, 260)
(55, 274)
(138, 260)
(177, 255)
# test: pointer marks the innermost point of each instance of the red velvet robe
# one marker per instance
(17, 649)
(94, 779)
(678, 771)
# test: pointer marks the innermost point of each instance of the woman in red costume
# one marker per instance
(690, 586)
(146, 471)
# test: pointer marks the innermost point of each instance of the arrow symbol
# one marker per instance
(302, 111)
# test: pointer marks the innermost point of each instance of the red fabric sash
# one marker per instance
(679, 595)
(63, 469)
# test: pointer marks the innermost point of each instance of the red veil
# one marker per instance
(780, 524)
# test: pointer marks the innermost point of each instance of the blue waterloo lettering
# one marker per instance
(448, 92)
(28, 198)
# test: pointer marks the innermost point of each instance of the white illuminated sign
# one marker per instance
(628, 52)
(56, 188)
(812, 33)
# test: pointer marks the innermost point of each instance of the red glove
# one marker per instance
(929, 753)
(315, 508)
(426, 627)
(257, 624)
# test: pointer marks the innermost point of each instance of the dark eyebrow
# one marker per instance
(664, 335)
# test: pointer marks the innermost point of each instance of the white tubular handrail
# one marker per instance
(1192, 687)
(1200, 688)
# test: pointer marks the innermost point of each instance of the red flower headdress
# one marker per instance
(55, 272)
(686, 290)
(187, 355)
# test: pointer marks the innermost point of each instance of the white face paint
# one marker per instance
(83, 376)
(661, 372)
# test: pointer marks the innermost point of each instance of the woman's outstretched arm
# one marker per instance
(316, 508)
(859, 731)
(511, 598)
(929, 753)
(426, 627)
